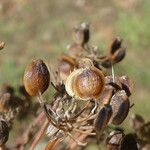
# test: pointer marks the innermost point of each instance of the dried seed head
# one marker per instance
(4, 132)
(114, 139)
(2, 44)
(66, 66)
(120, 107)
(116, 44)
(128, 143)
(36, 77)
(102, 120)
(85, 83)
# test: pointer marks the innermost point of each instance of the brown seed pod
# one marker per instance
(114, 139)
(118, 55)
(2, 44)
(4, 132)
(116, 44)
(66, 66)
(120, 107)
(127, 84)
(36, 77)
(81, 34)
(128, 142)
(102, 120)
(85, 83)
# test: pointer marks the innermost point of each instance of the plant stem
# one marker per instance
(26, 136)
(39, 135)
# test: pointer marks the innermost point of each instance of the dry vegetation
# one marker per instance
(41, 29)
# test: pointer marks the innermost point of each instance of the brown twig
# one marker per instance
(22, 141)
(39, 135)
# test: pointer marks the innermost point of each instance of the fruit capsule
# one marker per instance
(36, 77)
(120, 107)
(85, 83)
(114, 139)
(102, 120)
(128, 142)
(118, 55)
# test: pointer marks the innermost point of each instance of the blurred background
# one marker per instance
(42, 29)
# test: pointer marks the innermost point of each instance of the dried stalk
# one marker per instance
(39, 135)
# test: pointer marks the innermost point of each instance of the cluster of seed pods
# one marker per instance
(87, 99)
(13, 107)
